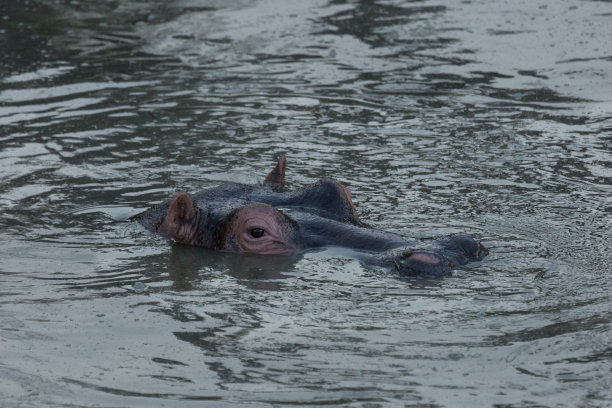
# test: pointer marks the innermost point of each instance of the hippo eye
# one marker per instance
(257, 232)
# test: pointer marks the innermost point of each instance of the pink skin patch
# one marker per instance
(425, 258)
(259, 229)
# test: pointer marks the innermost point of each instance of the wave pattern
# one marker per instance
(439, 116)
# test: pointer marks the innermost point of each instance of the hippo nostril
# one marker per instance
(422, 263)
(425, 258)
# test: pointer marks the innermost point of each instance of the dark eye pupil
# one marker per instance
(257, 232)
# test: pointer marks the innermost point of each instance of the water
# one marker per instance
(487, 117)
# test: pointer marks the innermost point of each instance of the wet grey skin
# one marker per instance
(318, 215)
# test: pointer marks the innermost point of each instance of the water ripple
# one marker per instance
(440, 118)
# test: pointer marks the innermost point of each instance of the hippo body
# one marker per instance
(266, 219)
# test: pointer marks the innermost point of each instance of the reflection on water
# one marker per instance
(188, 264)
(440, 117)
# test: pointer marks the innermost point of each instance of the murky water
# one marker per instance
(493, 118)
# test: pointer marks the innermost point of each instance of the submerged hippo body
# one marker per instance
(268, 220)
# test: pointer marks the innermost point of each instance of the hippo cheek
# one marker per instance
(260, 229)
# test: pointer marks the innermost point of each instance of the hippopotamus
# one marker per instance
(267, 219)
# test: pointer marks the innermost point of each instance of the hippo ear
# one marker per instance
(181, 219)
(276, 178)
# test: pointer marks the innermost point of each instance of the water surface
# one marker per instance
(492, 118)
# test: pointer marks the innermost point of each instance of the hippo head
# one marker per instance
(263, 219)
(266, 219)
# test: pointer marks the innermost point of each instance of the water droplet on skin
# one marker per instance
(139, 287)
